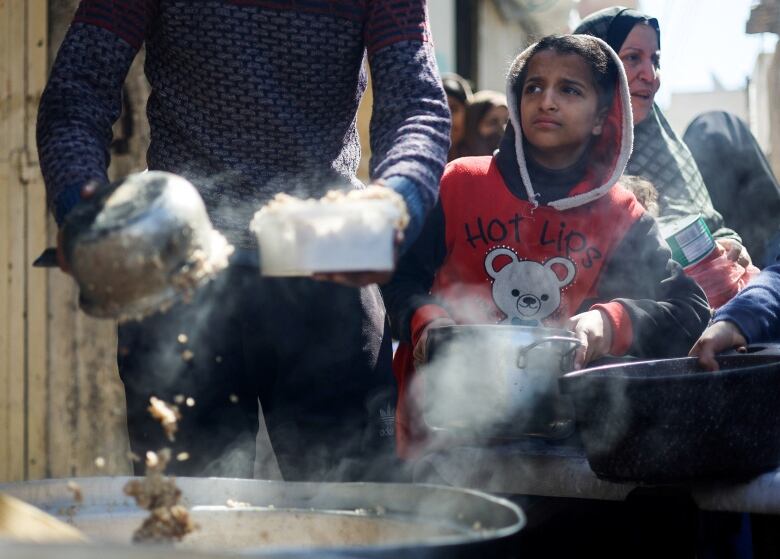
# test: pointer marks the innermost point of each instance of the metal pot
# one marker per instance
(498, 380)
(320, 519)
(668, 420)
(140, 244)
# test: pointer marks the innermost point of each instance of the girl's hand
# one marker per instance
(594, 330)
(419, 354)
(718, 337)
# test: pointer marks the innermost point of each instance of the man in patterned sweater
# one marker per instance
(249, 98)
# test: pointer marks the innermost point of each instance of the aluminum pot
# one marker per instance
(273, 518)
(498, 380)
(140, 244)
(668, 420)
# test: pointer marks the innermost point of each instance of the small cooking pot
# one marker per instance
(498, 380)
(140, 244)
(669, 420)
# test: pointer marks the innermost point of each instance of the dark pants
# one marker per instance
(317, 355)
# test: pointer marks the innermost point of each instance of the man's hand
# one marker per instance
(594, 330)
(735, 252)
(87, 192)
(718, 337)
(419, 353)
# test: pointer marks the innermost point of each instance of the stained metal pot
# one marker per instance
(498, 380)
(141, 244)
(669, 420)
(272, 518)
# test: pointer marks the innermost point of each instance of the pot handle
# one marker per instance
(523, 351)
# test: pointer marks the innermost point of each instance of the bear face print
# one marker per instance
(526, 291)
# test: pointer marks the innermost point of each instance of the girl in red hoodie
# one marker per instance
(541, 233)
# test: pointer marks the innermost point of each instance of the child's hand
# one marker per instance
(718, 337)
(419, 354)
(594, 330)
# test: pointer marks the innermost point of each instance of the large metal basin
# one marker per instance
(367, 519)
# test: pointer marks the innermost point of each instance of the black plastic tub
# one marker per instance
(669, 420)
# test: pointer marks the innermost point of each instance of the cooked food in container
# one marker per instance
(264, 518)
(340, 232)
(141, 244)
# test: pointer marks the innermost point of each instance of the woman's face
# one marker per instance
(493, 123)
(458, 111)
(641, 59)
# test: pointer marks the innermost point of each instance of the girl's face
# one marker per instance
(559, 108)
(458, 111)
(641, 59)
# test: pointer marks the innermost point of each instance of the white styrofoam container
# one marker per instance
(310, 237)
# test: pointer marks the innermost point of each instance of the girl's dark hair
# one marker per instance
(602, 66)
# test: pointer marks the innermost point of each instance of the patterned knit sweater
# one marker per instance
(249, 98)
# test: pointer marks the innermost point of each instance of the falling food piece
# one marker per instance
(187, 355)
(168, 521)
(74, 488)
(168, 415)
(100, 462)
(190, 402)
(182, 338)
(179, 398)
(233, 504)
(234, 398)
(183, 456)
(218, 359)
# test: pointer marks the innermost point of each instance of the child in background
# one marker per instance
(486, 118)
(459, 97)
(546, 207)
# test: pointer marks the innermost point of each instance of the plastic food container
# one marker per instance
(339, 234)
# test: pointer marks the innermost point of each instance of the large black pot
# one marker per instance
(669, 420)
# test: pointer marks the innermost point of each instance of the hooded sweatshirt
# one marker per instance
(513, 243)
(659, 155)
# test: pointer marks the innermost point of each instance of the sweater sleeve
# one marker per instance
(756, 309)
(83, 97)
(409, 289)
(410, 123)
(667, 310)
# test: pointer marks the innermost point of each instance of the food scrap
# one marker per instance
(167, 414)
(233, 504)
(75, 488)
(100, 462)
(168, 521)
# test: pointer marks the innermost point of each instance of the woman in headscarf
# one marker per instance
(659, 155)
(739, 179)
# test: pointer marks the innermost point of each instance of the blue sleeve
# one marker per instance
(756, 309)
(410, 127)
(82, 100)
